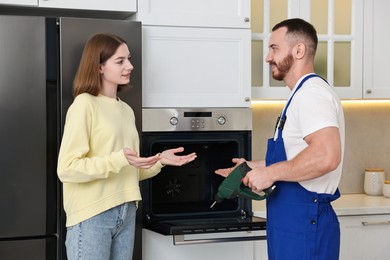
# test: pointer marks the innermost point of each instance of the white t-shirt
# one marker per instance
(313, 107)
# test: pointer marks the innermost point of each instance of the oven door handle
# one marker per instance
(180, 239)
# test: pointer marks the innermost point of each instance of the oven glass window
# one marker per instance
(191, 188)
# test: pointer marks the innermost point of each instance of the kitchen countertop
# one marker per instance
(346, 205)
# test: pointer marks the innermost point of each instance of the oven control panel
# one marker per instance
(192, 119)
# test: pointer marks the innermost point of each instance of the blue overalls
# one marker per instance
(300, 224)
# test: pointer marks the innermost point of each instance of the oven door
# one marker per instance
(177, 201)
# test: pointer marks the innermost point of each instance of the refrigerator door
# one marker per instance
(74, 33)
(23, 134)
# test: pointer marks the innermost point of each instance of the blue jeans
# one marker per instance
(107, 236)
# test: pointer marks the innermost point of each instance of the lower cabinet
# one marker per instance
(365, 237)
(199, 246)
(260, 250)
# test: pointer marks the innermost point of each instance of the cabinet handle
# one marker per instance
(368, 91)
(246, 19)
(366, 223)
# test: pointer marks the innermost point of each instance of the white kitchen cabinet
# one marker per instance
(198, 13)
(364, 225)
(195, 67)
(362, 238)
(376, 54)
(339, 57)
(157, 246)
(365, 237)
(20, 2)
(261, 252)
(101, 5)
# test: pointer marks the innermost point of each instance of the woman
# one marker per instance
(98, 162)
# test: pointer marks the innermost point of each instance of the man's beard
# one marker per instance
(282, 68)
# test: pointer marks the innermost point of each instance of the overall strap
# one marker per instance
(296, 90)
(282, 119)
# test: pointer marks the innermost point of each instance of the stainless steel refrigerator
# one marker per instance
(38, 60)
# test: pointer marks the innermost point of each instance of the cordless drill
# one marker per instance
(233, 187)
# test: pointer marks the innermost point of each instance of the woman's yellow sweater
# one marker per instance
(95, 173)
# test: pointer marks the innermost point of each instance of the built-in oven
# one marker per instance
(177, 201)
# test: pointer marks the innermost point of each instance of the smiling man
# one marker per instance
(304, 158)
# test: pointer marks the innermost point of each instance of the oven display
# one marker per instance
(198, 114)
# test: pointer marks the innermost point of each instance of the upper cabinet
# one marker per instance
(200, 13)
(339, 58)
(20, 2)
(376, 55)
(195, 53)
(195, 67)
(101, 5)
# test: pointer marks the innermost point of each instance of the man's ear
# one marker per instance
(299, 50)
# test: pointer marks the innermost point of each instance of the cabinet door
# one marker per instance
(20, 2)
(260, 250)
(157, 246)
(339, 26)
(195, 67)
(216, 13)
(365, 237)
(102, 5)
(376, 55)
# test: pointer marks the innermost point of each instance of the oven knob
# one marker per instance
(221, 120)
(174, 120)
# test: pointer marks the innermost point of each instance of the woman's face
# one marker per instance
(117, 69)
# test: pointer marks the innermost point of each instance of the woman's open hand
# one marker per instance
(169, 157)
(140, 162)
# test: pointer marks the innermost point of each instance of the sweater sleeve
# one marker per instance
(74, 163)
(151, 172)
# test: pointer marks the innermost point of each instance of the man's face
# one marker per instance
(279, 54)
